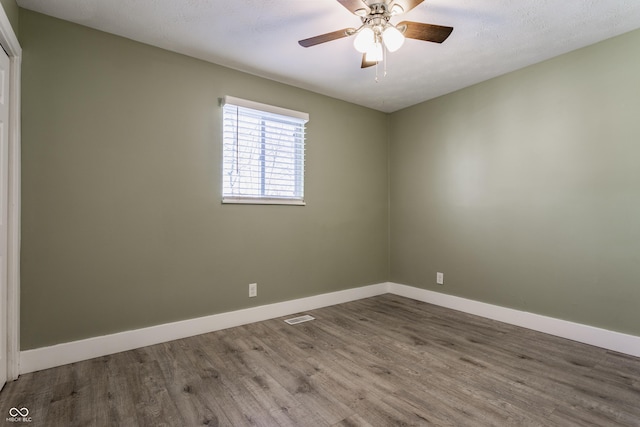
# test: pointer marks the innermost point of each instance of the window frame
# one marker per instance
(295, 116)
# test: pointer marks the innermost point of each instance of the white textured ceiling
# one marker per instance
(491, 37)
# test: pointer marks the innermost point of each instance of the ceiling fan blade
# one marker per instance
(323, 38)
(353, 5)
(366, 63)
(407, 5)
(426, 32)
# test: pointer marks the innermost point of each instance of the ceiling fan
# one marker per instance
(377, 32)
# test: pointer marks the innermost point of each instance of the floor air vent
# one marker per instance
(299, 319)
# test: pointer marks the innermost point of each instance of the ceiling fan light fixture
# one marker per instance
(393, 38)
(374, 54)
(365, 40)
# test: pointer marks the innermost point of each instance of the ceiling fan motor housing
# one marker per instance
(379, 14)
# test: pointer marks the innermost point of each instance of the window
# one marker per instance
(263, 153)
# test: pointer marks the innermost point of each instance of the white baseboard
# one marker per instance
(75, 351)
(616, 341)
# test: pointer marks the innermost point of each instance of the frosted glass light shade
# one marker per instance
(375, 53)
(365, 40)
(393, 38)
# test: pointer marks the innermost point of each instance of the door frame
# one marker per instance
(9, 42)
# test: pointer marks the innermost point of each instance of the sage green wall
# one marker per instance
(11, 9)
(122, 223)
(525, 189)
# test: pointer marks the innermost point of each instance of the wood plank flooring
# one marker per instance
(381, 361)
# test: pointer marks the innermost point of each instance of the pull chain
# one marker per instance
(384, 69)
(384, 58)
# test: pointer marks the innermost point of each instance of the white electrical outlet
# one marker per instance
(440, 278)
(253, 290)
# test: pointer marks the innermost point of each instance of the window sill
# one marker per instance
(261, 201)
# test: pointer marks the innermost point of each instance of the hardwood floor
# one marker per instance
(381, 361)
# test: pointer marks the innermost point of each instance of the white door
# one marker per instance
(4, 189)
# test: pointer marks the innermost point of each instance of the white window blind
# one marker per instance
(263, 153)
